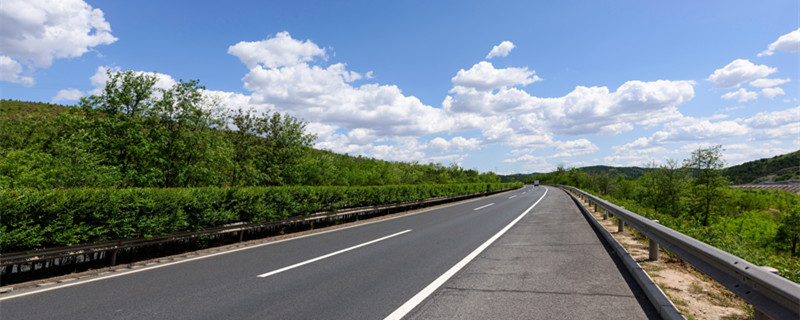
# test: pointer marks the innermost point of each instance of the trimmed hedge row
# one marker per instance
(60, 217)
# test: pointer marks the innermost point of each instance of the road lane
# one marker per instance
(367, 283)
(552, 265)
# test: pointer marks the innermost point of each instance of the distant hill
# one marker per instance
(783, 168)
(519, 177)
(15, 108)
(630, 172)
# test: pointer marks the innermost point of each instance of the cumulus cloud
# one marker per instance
(459, 144)
(741, 95)
(766, 83)
(500, 50)
(585, 110)
(769, 126)
(483, 76)
(772, 92)
(574, 148)
(774, 119)
(737, 72)
(70, 94)
(34, 32)
(279, 51)
(282, 74)
(789, 42)
(10, 70)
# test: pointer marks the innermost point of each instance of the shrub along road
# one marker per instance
(374, 270)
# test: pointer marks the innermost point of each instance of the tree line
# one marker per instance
(135, 134)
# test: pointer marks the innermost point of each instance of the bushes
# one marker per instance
(57, 217)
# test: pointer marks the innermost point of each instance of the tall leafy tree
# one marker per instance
(122, 132)
(187, 148)
(708, 184)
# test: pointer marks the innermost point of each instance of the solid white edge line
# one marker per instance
(330, 255)
(488, 205)
(427, 291)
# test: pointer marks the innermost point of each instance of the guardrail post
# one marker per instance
(620, 225)
(605, 214)
(654, 248)
(595, 207)
(114, 258)
(758, 314)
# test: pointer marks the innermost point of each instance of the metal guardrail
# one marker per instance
(767, 292)
(36, 256)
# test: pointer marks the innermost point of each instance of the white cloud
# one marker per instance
(282, 75)
(484, 77)
(10, 71)
(741, 95)
(574, 148)
(279, 51)
(772, 92)
(500, 50)
(406, 149)
(687, 129)
(693, 129)
(524, 158)
(776, 125)
(585, 110)
(70, 94)
(774, 119)
(459, 144)
(737, 72)
(789, 42)
(766, 83)
(34, 32)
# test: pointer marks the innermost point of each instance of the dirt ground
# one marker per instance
(696, 295)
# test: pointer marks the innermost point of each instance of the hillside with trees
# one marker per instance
(136, 135)
(782, 168)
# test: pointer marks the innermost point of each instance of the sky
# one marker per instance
(502, 86)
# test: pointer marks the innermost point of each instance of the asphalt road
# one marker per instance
(368, 271)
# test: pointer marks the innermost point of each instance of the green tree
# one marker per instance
(708, 183)
(245, 144)
(286, 143)
(789, 229)
(122, 131)
(663, 188)
(189, 153)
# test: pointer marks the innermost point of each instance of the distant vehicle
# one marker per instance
(535, 183)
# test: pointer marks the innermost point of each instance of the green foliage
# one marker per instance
(180, 140)
(59, 217)
(707, 191)
(664, 188)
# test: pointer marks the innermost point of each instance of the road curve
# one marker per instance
(364, 272)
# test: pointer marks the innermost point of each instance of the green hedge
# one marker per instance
(60, 217)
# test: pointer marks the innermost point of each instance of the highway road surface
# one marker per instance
(526, 254)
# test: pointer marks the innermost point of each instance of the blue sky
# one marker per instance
(506, 86)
